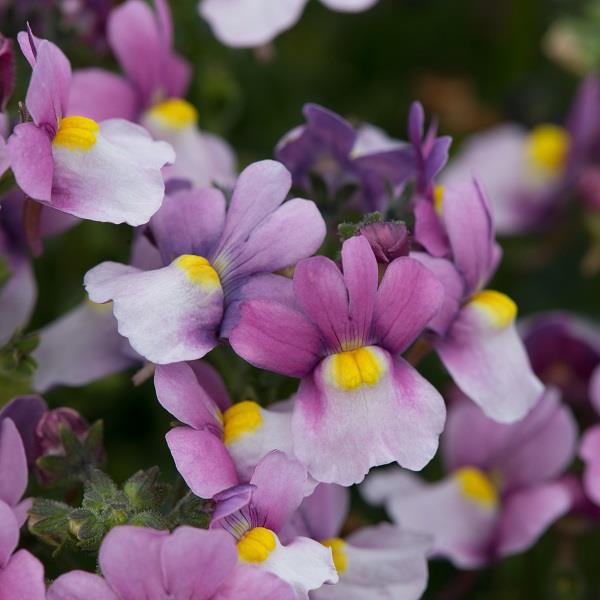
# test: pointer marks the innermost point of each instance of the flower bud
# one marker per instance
(47, 433)
(388, 239)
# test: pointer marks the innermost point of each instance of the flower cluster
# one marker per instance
(284, 323)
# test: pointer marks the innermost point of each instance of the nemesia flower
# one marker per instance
(373, 562)
(220, 443)
(145, 564)
(564, 351)
(21, 574)
(502, 490)
(333, 149)
(247, 23)
(153, 93)
(107, 171)
(255, 513)
(474, 333)
(212, 256)
(359, 404)
(527, 173)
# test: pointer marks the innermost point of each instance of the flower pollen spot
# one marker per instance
(244, 417)
(476, 486)
(256, 545)
(198, 270)
(547, 147)
(175, 114)
(77, 133)
(500, 309)
(355, 368)
(338, 551)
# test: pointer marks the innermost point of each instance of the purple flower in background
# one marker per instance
(341, 155)
(251, 23)
(359, 404)
(255, 513)
(564, 351)
(213, 259)
(528, 173)
(146, 564)
(108, 171)
(21, 574)
(152, 93)
(474, 333)
(220, 443)
(502, 491)
(381, 561)
(25, 412)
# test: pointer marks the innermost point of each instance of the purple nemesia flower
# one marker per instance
(528, 173)
(564, 351)
(152, 93)
(341, 155)
(108, 171)
(359, 404)
(214, 259)
(256, 512)
(251, 23)
(189, 564)
(383, 561)
(474, 333)
(220, 443)
(502, 491)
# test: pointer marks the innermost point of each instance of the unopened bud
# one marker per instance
(389, 240)
(48, 436)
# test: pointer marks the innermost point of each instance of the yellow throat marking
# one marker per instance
(175, 113)
(499, 308)
(438, 199)
(355, 368)
(476, 486)
(338, 551)
(198, 270)
(256, 545)
(241, 418)
(76, 133)
(547, 147)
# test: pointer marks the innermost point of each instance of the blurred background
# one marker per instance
(473, 63)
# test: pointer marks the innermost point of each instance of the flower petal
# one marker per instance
(94, 350)
(166, 316)
(197, 562)
(100, 95)
(117, 180)
(280, 483)
(202, 460)
(252, 582)
(31, 160)
(179, 391)
(243, 24)
(589, 451)
(489, 364)
(22, 578)
(528, 513)
(408, 298)
(130, 559)
(25, 412)
(79, 585)
(273, 336)
(189, 222)
(13, 463)
(340, 434)
(349, 5)
(9, 533)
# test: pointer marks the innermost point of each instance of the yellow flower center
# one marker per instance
(475, 485)
(438, 198)
(355, 368)
(499, 308)
(175, 113)
(338, 551)
(241, 418)
(198, 270)
(547, 148)
(77, 133)
(256, 545)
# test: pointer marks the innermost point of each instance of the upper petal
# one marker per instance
(273, 336)
(408, 298)
(130, 559)
(196, 562)
(13, 463)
